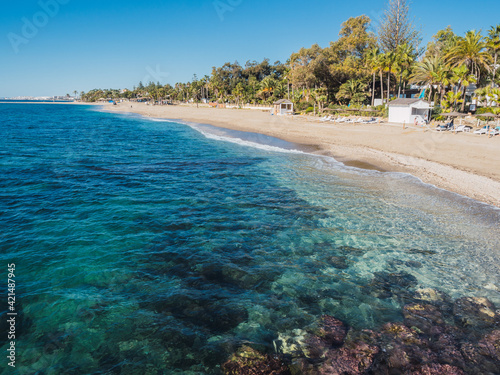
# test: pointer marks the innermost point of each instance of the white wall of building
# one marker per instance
(400, 114)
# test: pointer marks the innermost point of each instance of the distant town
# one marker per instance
(40, 98)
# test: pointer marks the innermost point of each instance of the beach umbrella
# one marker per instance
(487, 114)
(455, 114)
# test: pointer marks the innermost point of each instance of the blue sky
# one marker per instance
(85, 44)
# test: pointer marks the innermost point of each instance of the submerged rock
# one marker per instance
(353, 359)
(332, 330)
(422, 252)
(423, 317)
(248, 361)
(400, 279)
(426, 343)
(400, 332)
(292, 344)
(349, 250)
(435, 369)
(385, 285)
(432, 296)
(200, 311)
(413, 264)
(478, 359)
(298, 343)
(490, 345)
(477, 312)
(338, 262)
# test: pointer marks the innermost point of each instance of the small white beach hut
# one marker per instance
(407, 110)
(283, 107)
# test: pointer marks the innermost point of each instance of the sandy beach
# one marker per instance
(467, 164)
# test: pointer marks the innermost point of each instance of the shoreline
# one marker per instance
(466, 164)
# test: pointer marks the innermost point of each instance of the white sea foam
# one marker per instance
(322, 161)
(243, 142)
(161, 120)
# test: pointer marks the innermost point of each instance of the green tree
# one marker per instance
(443, 79)
(346, 56)
(301, 69)
(427, 73)
(462, 77)
(397, 28)
(405, 59)
(238, 92)
(471, 52)
(380, 65)
(389, 60)
(488, 95)
(372, 60)
(441, 43)
(267, 88)
(493, 44)
(450, 101)
(320, 97)
(352, 92)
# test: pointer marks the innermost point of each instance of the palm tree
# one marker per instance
(372, 60)
(238, 92)
(405, 58)
(320, 97)
(482, 94)
(280, 89)
(488, 94)
(493, 44)
(444, 79)
(389, 63)
(427, 73)
(461, 76)
(471, 52)
(380, 66)
(267, 86)
(352, 90)
(450, 100)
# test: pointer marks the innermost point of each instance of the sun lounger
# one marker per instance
(463, 128)
(494, 131)
(483, 130)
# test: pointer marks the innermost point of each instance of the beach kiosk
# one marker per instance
(407, 110)
(283, 107)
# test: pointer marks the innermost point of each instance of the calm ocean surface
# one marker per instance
(145, 247)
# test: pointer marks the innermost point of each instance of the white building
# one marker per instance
(407, 110)
(283, 107)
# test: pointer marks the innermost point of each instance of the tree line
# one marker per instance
(359, 67)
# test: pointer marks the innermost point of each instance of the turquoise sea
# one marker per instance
(154, 247)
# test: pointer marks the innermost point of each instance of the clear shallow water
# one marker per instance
(145, 246)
